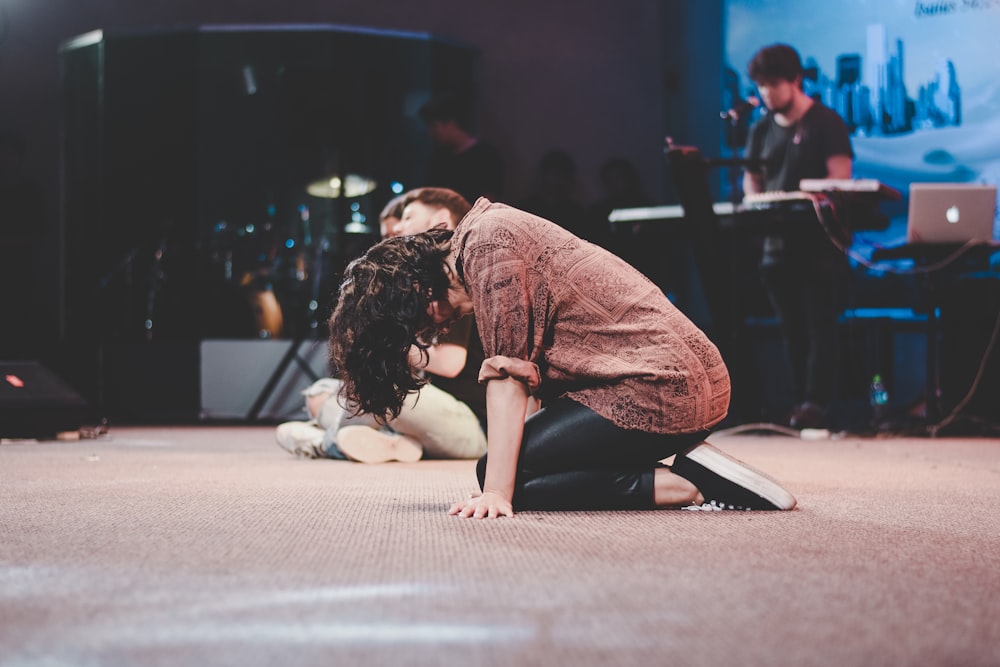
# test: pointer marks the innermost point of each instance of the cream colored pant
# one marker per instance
(444, 426)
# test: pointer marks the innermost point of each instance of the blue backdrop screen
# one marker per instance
(917, 81)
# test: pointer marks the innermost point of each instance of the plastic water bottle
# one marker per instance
(878, 399)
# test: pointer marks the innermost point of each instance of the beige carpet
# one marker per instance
(211, 546)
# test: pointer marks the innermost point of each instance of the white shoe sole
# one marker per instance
(739, 472)
(366, 445)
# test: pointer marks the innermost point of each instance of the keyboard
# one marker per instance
(776, 208)
(772, 211)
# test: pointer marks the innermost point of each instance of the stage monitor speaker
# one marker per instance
(230, 386)
(35, 403)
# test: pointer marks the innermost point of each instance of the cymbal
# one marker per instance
(330, 187)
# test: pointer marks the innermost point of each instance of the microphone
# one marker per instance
(740, 109)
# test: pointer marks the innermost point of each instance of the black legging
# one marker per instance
(574, 459)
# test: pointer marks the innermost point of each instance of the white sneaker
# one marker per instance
(301, 439)
(367, 445)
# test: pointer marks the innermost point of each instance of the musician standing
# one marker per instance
(803, 271)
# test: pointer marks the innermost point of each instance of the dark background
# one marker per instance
(596, 79)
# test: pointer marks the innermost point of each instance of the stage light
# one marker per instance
(357, 227)
(353, 185)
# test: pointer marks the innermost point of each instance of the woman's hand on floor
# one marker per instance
(487, 505)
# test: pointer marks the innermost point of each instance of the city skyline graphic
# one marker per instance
(869, 91)
(915, 80)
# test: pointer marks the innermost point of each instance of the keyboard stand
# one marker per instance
(928, 254)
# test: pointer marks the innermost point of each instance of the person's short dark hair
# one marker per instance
(394, 208)
(448, 107)
(777, 62)
(456, 204)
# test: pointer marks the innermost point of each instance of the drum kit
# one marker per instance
(279, 269)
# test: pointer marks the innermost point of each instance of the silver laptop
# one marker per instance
(950, 213)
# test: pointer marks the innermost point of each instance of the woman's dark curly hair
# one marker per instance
(381, 313)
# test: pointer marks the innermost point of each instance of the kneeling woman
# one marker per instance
(624, 379)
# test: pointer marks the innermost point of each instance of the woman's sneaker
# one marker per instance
(367, 445)
(301, 439)
(728, 483)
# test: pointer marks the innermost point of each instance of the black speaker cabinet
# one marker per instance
(202, 171)
(969, 314)
(35, 403)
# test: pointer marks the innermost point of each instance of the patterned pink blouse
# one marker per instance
(571, 319)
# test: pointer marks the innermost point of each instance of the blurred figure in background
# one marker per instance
(460, 160)
(620, 188)
(554, 196)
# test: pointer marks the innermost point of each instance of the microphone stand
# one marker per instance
(737, 127)
(737, 122)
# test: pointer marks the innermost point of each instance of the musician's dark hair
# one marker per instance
(381, 312)
(777, 62)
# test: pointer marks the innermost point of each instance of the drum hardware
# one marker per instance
(157, 276)
(353, 185)
(258, 291)
(339, 191)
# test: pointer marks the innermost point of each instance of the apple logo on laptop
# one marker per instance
(951, 215)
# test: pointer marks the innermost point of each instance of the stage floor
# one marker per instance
(209, 545)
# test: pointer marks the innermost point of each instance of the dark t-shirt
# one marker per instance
(789, 154)
(465, 386)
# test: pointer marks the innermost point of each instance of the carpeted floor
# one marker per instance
(211, 546)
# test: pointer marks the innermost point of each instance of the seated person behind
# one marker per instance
(448, 420)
